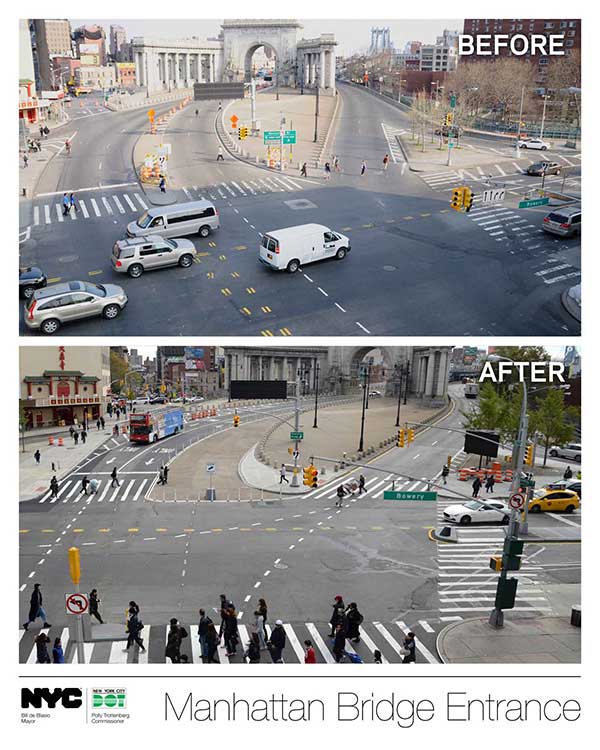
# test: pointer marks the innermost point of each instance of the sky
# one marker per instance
(351, 35)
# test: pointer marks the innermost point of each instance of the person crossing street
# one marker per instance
(113, 476)
(66, 204)
(445, 472)
(94, 601)
(277, 642)
(36, 609)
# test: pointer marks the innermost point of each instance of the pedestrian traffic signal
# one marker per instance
(307, 474)
(236, 421)
(529, 455)
(468, 199)
(496, 563)
(411, 435)
(457, 198)
(400, 440)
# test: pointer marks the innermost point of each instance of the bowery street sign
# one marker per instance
(296, 435)
(410, 495)
(534, 202)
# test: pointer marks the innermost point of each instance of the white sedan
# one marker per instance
(534, 143)
(477, 511)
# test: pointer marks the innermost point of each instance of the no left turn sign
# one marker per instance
(76, 604)
(517, 501)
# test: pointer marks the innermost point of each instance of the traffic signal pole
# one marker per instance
(295, 480)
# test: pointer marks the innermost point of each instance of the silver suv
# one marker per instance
(139, 254)
(62, 303)
(571, 451)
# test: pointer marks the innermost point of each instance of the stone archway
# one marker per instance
(250, 53)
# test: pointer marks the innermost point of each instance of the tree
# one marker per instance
(118, 368)
(552, 420)
(497, 411)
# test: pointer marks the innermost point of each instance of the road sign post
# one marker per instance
(75, 574)
(211, 492)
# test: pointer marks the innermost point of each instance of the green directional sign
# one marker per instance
(399, 495)
(534, 202)
(271, 135)
(289, 136)
(452, 101)
(296, 436)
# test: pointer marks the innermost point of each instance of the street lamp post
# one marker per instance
(545, 97)
(362, 419)
(399, 371)
(316, 394)
(368, 384)
(406, 378)
(520, 120)
(317, 74)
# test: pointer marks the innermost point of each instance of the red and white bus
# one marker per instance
(150, 427)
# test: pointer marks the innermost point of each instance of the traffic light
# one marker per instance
(307, 474)
(457, 198)
(411, 435)
(449, 119)
(236, 421)
(449, 461)
(496, 563)
(468, 199)
(400, 440)
(314, 478)
(242, 133)
(529, 455)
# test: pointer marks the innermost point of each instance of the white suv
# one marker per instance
(572, 451)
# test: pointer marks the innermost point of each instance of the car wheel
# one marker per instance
(50, 326)
(293, 266)
(111, 311)
(27, 291)
(535, 509)
(136, 270)
(186, 261)
(554, 454)
(505, 520)
(569, 508)
(578, 458)
(204, 231)
(544, 148)
(465, 520)
(524, 145)
(557, 172)
(154, 438)
(341, 253)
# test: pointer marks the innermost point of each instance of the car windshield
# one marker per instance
(144, 220)
(96, 289)
(170, 243)
(473, 505)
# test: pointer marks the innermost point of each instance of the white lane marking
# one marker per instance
(140, 201)
(95, 207)
(339, 306)
(137, 494)
(388, 637)
(322, 291)
(129, 486)
(564, 520)
(294, 642)
(320, 643)
(118, 204)
(360, 325)
(107, 206)
(129, 202)
(370, 643)
(59, 212)
(426, 626)
(84, 210)
(47, 218)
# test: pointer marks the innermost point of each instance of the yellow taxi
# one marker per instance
(554, 500)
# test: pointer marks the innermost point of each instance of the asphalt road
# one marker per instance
(175, 557)
(430, 270)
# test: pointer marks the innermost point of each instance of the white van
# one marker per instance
(177, 220)
(289, 248)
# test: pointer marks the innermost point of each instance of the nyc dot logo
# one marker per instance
(109, 698)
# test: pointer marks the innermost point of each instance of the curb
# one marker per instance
(286, 492)
(329, 129)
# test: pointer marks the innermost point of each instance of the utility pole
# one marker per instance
(362, 419)
(399, 395)
(281, 134)
(368, 384)
(253, 104)
(546, 97)
(295, 480)
(519, 126)
(317, 106)
(406, 377)
(316, 393)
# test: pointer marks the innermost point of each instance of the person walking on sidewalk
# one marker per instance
(41, 647)
(309, 653)
(212, 641)
(25, 161)
(66, 204)
(72, 203)
(98, 424)
(84, 485)
(303, 170)
(196, 113)
(363, 168)
(282, 476)
(220, 156)
(276, 642)
(174, 639)
(83, 436)
(161, 475)
(386, 161)
(166, 474)
(113, 476)
(230, 631)
(361, 485)
(102, 422)
(36, 609)
(259, 629)
(58, 656)
(409, 646)
(476, 486)
(489, 484)
(37, 455)
(568, 473)
(162, 185)
(445, 472)
(94, 601)
(76, 437)
(327, 170)
(203, 624)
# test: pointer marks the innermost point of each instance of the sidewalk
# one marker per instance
(38, 160)
(540, 640)
(256, 474)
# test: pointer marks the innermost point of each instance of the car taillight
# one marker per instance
(118, 264)
(277, 249)
(564, 226)
(546, 219)
(217, 211)
(32, 306)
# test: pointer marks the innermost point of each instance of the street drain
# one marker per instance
(281, 566)
(68, 258)
(390, 268)
(299, 204)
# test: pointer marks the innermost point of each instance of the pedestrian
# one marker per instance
(327, 171)
(46, 130)
(58, 656)
(303, 170)
(25, 161)
(134, 628)
(377, 658)
(354, 620)
(41, 646)
(102, 422)
(409, 646)
(262, 608)
(220, 156)
(230, 631)
(276, 642)
(203, 624)
(83, 436)
(41, 131)
(445, 472)
(98, 424)
(282, 476)
(113, 476)
(363, 168)
(259, 629)
(166, 474)
(253, 651)
(109, 409)
(54, 487)
(386, 161)
(118, 414)
(94, 601)
(336, 164)
(223, 605)
(337, 616)
(361, 485)
(568, 473)
(162, 184)
(84, 485)
(339, 643)
(37, 455)
(76, 437)
(489, 484)
(196, 113)
(212, 641)
(175, 636)
(161, 475)
(71, 430)
(309, 653)
(476, 486)
(340, 496)
(93, 486)
(72, 202)
(36, 609)
(66, 203)
(116, 430)
(220, 106)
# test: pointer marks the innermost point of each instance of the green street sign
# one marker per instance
(296, 435)
(453, 101)
(398, 495)
(534, 202)
(527, 483)
(289, 136)
(271, 135)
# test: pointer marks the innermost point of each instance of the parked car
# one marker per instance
(554, 500)
(141, 400)
(375, 394)
(291, 247)
(56, 304)
(572, 451)
(534, 143)
(539, 168)
(139, 254)
(565, 221)
(30, 279)
(477, 511)
(158, 400)
(449, 131)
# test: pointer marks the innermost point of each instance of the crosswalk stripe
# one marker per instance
(36, 215)
(421, 648)
(59, 214)
(95, 207)
(118, 204)
(294, 642)
(320, 643)
(61, 490)
(238, 187)
(129, 202)
(370, 644)
(141, 487)
(248, 187)
(118, 655)
(285, 185)
(47, 218)
(107, 205)
(244, 638)
(88, 650)
(129, 486)
(188, 194)
(101, 498)
(76, 487)
(140, 201)
(226, 186)
(84, 210)
(195, 644)
(392, 642)
(114, 494)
